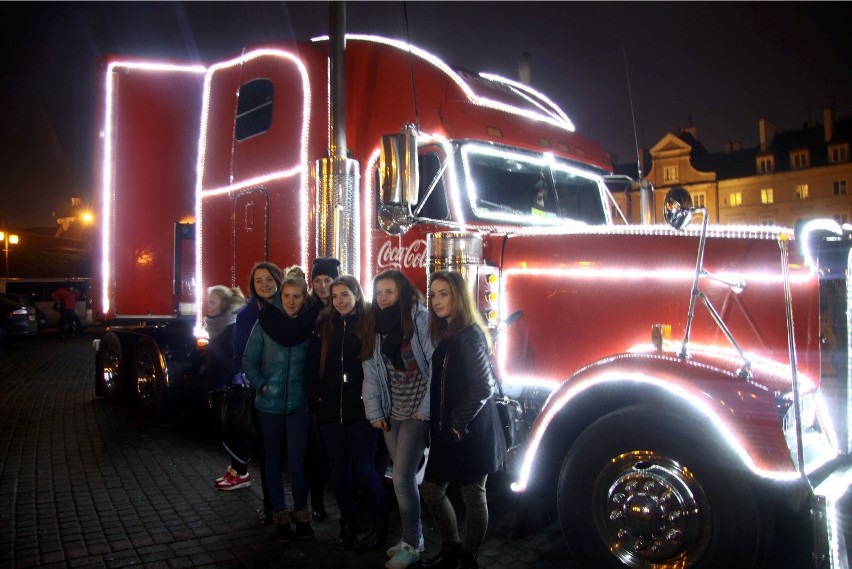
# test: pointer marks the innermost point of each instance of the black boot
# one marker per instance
(347, 532)
(374, 536)
(467, 561)
(447, 558)
(303, 524)
(281, 522)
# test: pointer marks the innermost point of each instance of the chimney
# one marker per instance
(828, 119)
(767, 133)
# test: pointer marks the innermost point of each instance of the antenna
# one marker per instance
(632, 113)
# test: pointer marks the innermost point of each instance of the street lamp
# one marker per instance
(8, 239)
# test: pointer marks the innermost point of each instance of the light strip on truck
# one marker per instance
(293, 170)
(557, 120)
(108, 166)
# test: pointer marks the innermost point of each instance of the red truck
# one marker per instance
(685, 391)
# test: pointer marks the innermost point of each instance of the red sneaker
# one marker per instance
(234, 481)
(228, 472)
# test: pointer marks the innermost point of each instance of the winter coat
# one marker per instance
(276, 370)
(219, 359)
(461, 396)
(375, 392)
(335, 395)
(246, 318)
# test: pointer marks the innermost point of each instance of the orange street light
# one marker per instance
(8, 239)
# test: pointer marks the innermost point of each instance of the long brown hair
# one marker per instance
(361, 308)
(276, 273)
(409, 297)
(464, 312)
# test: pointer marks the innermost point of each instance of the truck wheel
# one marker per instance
(641, 490)
(110, 364)
(151, 395)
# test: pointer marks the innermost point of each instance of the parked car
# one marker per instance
(28, 301)
(17, 319)
(40, 289)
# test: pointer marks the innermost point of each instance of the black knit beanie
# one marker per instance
(325, 266)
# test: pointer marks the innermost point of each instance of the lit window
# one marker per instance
(735, 199)
(799, 159)
(765, 164)
(670, 174)
(802, 192)
(767, 196)
(839, 187)
(839, 153)
(699, 199)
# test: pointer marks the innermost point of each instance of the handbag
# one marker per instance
(511, 416)
(233, 410)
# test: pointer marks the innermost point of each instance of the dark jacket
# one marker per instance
(246, 318)
(219, 360)
(461, 397)
(331, 397)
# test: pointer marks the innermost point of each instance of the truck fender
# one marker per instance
(742, 415)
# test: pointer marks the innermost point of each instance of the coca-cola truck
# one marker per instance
(685, 390)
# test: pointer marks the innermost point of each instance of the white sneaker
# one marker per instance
(405, 557)
(392, 550)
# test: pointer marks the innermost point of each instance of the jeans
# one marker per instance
(294, 427)
(353, 447)
(475, 505)
(406, 442)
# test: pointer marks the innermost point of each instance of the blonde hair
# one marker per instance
(232, 297)
(295, 276)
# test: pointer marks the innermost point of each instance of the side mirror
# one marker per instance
(677, 209)
(398, 180)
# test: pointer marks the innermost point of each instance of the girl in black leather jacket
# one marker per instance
(467, 443)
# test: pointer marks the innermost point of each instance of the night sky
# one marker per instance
(719, 66)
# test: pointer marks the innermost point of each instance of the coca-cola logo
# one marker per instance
(411, 256)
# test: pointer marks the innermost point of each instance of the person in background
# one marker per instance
(67, 297)
(467, 443)
(223, 303)
(397, 356)
(323, 271)
(273, 363)
(333, 379)
(264, 283)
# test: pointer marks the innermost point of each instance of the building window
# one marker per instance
(699, 199)
(839, 187)
(767, 221)
(841, 218)
(838, 153)
(802, 192)
(765, 164)
(670, 174)
(799, 159)
(735, 199)
(767, 196)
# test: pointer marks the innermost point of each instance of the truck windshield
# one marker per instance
(538, 189)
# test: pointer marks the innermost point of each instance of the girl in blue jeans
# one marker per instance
(273, 363)
(397, 354)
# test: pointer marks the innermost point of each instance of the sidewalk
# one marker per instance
(86, 485)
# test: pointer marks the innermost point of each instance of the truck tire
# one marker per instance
(640, 490)
(111, 369)
(153, 401)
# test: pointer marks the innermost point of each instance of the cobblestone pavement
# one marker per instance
(87, 485)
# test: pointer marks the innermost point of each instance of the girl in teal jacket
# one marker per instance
(274, 362)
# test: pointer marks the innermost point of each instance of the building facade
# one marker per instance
(791, 176)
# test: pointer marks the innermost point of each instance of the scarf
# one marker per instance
(217, 324)
(288, 330)
(389, 326)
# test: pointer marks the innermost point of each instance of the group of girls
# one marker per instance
(419, 377)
